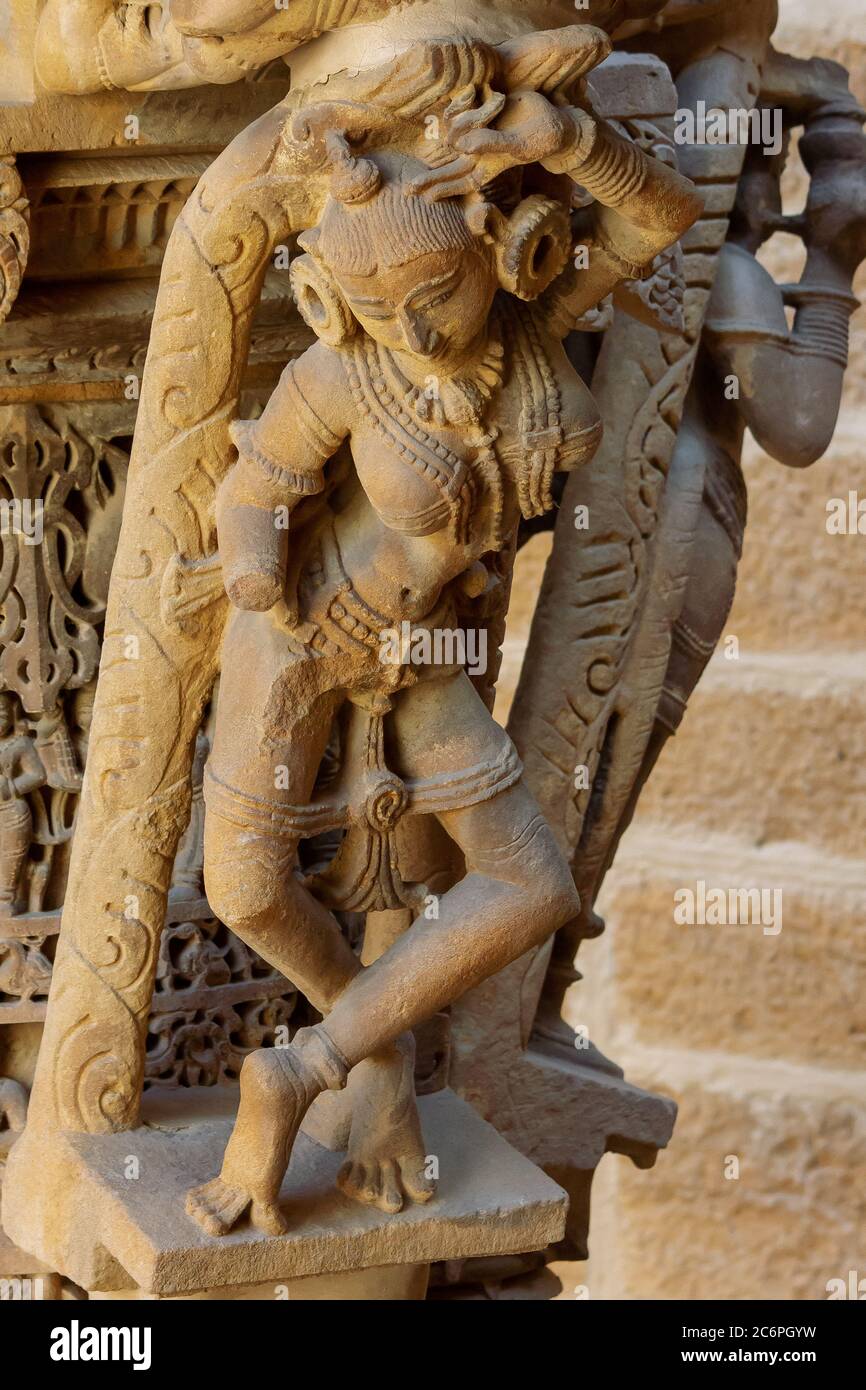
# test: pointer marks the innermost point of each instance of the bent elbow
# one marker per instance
(791, 433)
(799, 451)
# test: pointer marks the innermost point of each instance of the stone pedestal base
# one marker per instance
(23, 1278)
(396, 1284)
(112, 1215)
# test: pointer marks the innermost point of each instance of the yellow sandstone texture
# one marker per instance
(760, 1039)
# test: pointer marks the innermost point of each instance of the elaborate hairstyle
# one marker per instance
(392, 229)
(375, 220)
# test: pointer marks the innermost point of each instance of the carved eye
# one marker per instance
(440, 299)
(379, 312)
(437, 294)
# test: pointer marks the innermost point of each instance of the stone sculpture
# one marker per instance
(469, 205)
(682, 590)
(22, 772)
(788, 380)
(459, 410)
(427, 156)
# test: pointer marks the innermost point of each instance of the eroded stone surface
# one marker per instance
(632, 609)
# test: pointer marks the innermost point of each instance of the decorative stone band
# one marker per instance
(822, 327)
(321, 1061)
(453, 791)
(671, 709)
(313, 430)
(449, 791)
(264, 816)
(614, 171)
(252, 457)
(691, 642)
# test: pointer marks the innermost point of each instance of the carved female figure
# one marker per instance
(21, 772)
(389, 470)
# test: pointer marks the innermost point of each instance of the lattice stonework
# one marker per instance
(69, 387)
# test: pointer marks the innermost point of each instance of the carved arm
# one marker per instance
(32, 774)
(642, 206)
(794, 377)
(281, 459)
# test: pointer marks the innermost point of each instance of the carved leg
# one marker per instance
(386, 1160)
(272, 728)
(518, 890)
(15, 833)
(252, 888)
(709, 595)
(697, 632)
(278, 1085)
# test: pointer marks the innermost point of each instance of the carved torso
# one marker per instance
(430, 498)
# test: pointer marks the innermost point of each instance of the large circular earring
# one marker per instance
(534, 246)
(321, 302)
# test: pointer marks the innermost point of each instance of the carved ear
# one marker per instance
(321, 303)
(532, 246)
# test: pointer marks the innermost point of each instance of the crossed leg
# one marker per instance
(517, 890)
(267, 751)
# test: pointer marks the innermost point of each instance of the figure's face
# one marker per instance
(434, 308)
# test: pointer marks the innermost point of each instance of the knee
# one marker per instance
(555, 897)
(228, 898)
(539, 872)
(245, 875)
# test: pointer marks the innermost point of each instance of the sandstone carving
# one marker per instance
(14, 234)
(22, 772)
(684, 586)
(398, 277)
(305, 854)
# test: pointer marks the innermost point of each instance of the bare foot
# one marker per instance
(386, 1162)
(277, 1088)
(217, 1207)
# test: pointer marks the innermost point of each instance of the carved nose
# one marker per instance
(417, 336)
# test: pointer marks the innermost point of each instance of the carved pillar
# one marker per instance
(82, 237)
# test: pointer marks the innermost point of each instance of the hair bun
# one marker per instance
(353, 180)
